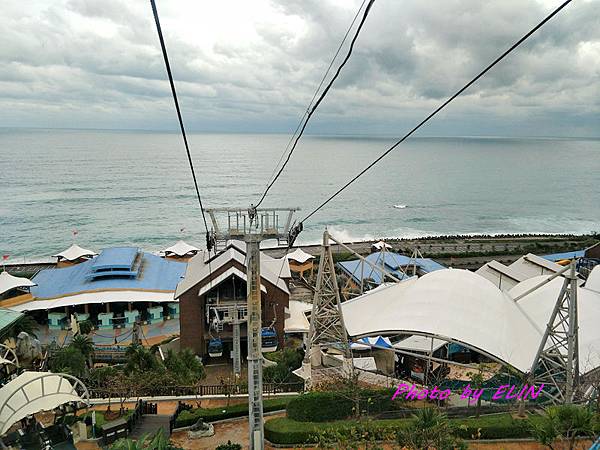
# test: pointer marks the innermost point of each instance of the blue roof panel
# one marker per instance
(390, 261)
(154, 274)
(566, 255)
(115, 258)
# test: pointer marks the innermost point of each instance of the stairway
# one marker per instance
(150, 423)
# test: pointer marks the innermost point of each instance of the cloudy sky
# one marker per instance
(253, 65)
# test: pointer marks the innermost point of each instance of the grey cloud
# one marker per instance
(410, 56)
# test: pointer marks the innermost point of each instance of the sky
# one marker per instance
(253, 66)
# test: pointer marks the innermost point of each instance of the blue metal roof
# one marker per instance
(390, 261)
(154, 274)
(115, 258)
(565, 255)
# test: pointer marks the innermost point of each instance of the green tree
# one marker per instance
(476, 382)
(140, 359)
(86, 327)
(85, 345)
(184, 365)
(69, 360)
(26, 324)
(430, 430)
(563, 423)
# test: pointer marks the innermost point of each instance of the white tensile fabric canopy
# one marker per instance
(181, 248)
(297, 321)
(300, 256)
(593, 280)
(32, 392)
(461, 306)
(381, 245)
(8, 282)
(449, 304)
(420, 344)
(74, 252)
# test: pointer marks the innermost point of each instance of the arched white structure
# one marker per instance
(32, 392)
(8, 356)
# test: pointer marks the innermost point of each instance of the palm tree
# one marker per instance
(430, 430)
(85, 345)
(26, 324)
(564, 422)
(139, 359)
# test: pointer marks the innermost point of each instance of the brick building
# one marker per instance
(213, 290)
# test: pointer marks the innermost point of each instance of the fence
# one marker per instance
(201, 390)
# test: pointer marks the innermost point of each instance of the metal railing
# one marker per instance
(201, 390)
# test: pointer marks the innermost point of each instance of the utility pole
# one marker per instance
(253, 225)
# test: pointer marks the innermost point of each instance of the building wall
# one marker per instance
(194, 332)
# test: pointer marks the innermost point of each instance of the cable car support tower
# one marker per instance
(252, 226)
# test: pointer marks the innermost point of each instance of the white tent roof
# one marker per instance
(297, 321)
(449, 304)
(278, 266)
(300, 256)
(8, 282)
(181, 248)
(32, 392)
(74, 252)
(502, 276)
(380, 245)
(417, 343)
(538, 306)
(593, 280)
(96, 298)
(531, 265)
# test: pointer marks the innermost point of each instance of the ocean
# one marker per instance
(135, 188)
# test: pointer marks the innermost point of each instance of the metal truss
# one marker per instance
(556, 364)
(327, 329)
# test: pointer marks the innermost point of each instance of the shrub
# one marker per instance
(319, 407)
(335, 405)
(282, 430)
(190, 417)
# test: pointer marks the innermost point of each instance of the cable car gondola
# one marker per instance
(269, 339)
(215, 347)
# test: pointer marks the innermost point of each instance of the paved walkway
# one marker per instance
(234, 430)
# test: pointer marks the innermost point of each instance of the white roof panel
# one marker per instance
(419, 344)
(95, 298)
(181, 248)
(300, 256)
(74, 252)
(8, 282)
(297, 321)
